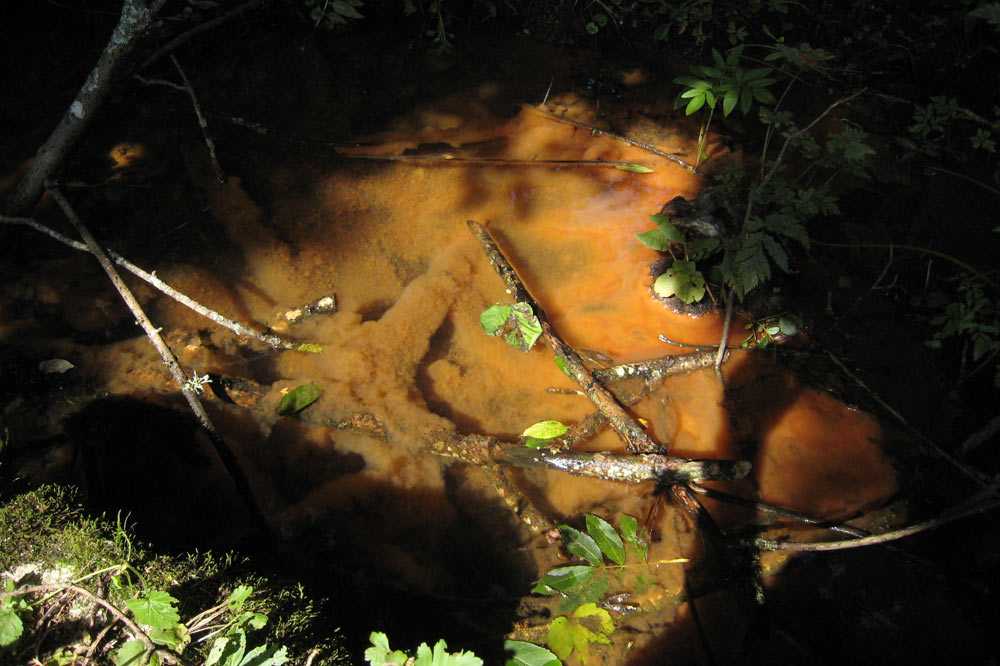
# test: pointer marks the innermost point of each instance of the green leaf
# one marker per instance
(676, 281)
(155, 610)
(237, 597)
(561, 364)
(131, 653)
(634, 168)
(529, 328)
(729, 101)
(564, 579)
(345, 9)
(517, 324)
(545, 430)
(630, 532)
(581, 545)
(494, 317)
(265, 655)
(560, 637)
(529, 654)
(379, 654)
(606, 625)
(607, 538)
(703, 247)
(778, 254)
(655, 239)
(11, 627)
(695, 104)
(664, 224)
(299, 398)
(174, 637)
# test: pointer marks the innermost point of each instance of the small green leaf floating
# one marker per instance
(542, 433)
(299, 398)
(516, 323)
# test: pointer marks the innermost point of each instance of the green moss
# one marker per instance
(46, 536)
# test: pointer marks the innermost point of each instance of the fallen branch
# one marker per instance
(619, 137)
(948, 517)
(234, 326)
(636, 439)
(229, 460)
(483, 450)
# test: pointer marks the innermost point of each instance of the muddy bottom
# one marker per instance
(419, 545)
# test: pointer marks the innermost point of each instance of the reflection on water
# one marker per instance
(405, 347)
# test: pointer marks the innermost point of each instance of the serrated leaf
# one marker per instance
(529, 654)
(130, 654)
(156, 610)
(299, 398)
(634, 168)
(379, 653)
(173, 637)
(529, 328)
(654, 239)
(607, 538)
(777, 253)
(545, 430)
(581, 545)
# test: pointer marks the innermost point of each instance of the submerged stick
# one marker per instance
(229, 460)
(235, 326)
(636, 439)
(202, 122)
(619, 137)
(495, 161)
(483, 450)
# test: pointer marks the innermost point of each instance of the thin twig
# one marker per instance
(965, 469)
(720, 355)
(221, 177)
(773, 544)
(490, 161)
(201, 27)
(163, 653)
(976, 439)
(635, 438)
(229, 460)
(234, 326)
(619, 137)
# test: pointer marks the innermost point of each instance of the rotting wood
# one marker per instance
(635, 438)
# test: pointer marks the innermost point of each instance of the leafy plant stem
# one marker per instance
(980, 183)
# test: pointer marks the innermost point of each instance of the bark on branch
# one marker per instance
(635, 438)
(136, 17)
(484, 451)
